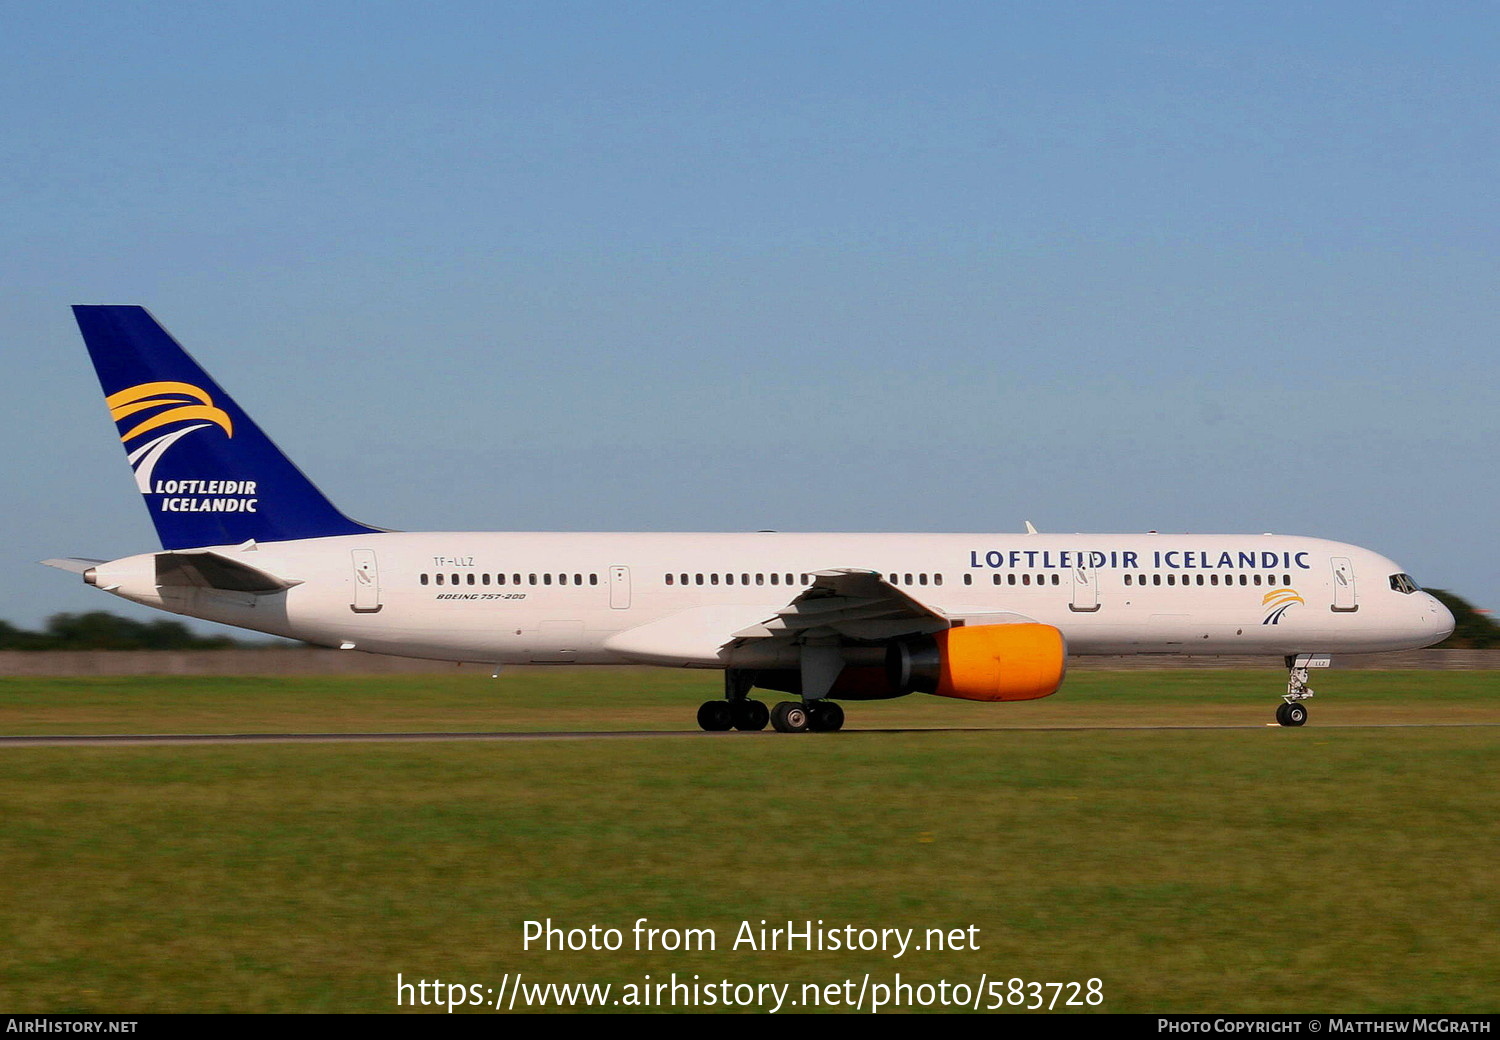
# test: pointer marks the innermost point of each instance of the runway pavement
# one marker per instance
(171, 739)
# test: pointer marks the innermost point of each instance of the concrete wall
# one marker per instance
(349, 662)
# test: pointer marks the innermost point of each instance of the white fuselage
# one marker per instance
(678, 599)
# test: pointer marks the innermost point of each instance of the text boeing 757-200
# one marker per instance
(247, 540)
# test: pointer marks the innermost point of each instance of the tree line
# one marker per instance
(1472, 629)
(101, 630)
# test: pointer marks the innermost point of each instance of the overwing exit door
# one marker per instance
(1085, 589)
(619, 587)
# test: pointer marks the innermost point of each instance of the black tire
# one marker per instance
(1296, 715)
(1281, 713)
(789, 717)
(749, 715)
(715, 716)
(825, 717)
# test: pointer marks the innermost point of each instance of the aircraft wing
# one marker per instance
(840, 608)
(848, 605)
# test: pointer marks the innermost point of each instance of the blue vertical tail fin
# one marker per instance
(207, 472)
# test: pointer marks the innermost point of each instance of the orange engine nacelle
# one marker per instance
(985, 663)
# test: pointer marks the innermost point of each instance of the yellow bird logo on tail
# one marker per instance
(162, 404)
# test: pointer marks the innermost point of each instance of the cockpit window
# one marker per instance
(1404, 583)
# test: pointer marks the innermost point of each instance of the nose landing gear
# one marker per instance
(1292, 712)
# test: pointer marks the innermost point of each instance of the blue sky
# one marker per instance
(606, 266)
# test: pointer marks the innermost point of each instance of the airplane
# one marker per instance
(247, 540)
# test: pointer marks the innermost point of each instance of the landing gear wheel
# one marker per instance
(789, 717)
(1291, 715)
(825, 717)
(749, 715)
(715, 716)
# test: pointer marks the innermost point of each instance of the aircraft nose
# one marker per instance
(1440, 618)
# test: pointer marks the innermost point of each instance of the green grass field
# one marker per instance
(1331, 868)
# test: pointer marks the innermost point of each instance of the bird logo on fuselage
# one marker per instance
(1277, 602)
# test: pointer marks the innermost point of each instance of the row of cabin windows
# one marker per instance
(1026, 579)
(1016, 579)
(786, 579)
(736, 579)
(470, 578)
(1211, 579)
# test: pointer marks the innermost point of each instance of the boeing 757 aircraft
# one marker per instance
(247, 540)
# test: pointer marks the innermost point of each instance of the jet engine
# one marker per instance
(1018, 662)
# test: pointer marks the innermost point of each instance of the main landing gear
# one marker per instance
(718, 716)
(1292, 712)
(819, 716)
(738, 711)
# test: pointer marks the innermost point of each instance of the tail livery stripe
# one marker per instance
(207, 472)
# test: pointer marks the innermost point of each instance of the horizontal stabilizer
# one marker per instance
(209, 570)
(71, 564)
